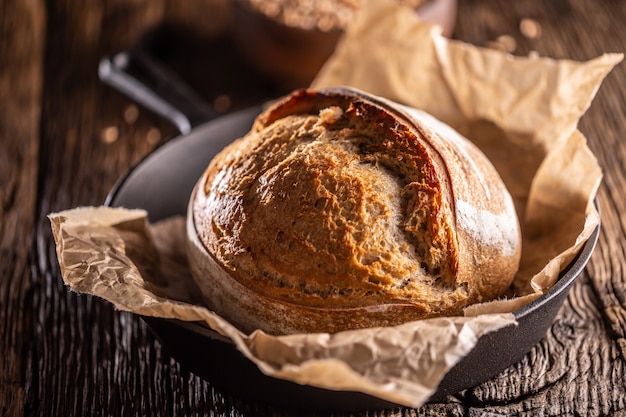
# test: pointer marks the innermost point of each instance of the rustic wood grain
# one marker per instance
(605, 126)
(65, 139)
(21, 54)
(575, 369)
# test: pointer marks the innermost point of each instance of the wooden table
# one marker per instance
(65, 138)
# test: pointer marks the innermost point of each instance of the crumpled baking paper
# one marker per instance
(522, 112)
(115, 254)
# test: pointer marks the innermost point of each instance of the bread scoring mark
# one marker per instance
(452, 137)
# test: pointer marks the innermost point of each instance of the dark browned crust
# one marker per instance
(247, 239)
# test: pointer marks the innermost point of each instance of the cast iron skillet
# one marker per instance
(161, 184)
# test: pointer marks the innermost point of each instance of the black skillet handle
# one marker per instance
(152, 85)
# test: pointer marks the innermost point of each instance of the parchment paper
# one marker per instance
(521, 112)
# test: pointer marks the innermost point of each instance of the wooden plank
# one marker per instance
(604, 125)
(574, 369)
(82, 346)
(21, 56)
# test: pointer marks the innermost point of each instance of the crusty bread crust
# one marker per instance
(341, 210)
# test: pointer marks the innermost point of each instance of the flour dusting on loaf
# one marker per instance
(342, 210)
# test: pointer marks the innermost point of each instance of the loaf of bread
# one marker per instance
(341, 210)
